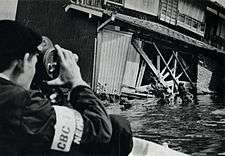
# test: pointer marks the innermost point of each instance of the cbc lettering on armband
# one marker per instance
(63, 138)
(65, 128)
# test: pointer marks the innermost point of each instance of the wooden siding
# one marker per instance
(192, 10)
(146, 6)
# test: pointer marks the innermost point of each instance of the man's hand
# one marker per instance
(69, 70)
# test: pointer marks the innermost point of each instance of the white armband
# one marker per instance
(79, 127)
(68, 128)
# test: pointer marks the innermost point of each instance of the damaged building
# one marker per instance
(126, 44)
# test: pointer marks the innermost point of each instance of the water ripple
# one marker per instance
(197, 128)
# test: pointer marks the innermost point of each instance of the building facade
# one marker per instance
(122, 43)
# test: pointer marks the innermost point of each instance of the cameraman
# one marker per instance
(29, 124)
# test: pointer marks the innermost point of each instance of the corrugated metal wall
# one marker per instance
(112, 56)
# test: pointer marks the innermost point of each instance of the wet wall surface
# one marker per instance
(196, 128)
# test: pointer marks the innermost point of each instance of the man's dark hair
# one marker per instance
(15, 41)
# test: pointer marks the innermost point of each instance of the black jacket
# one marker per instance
(27, 119)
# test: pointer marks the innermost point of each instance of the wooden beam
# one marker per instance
(98, 54)
(174, 72)
(94, 77)
(145, 57)
(173, 45)
(165, 76)
(158, 63)
(114, 3)
(182, 67)
(141, 73)
(86, 9)
(112, 18)
(177, 77)
(165, 64)
(147, 60)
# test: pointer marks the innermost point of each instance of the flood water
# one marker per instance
(196, 128)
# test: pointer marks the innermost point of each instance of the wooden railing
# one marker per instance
(94, 3)
(114, 2)
(98, 3)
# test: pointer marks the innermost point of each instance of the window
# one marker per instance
(191, 16)
(188, 21)
(146, 3)
(150, 7)
(202, 29)
(221, 29)
(195, 24)
(181, 18)
(191, 24)
(169, 11)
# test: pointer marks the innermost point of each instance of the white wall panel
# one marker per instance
(8, 9)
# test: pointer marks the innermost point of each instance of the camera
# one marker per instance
(48, 68)
(50, 58)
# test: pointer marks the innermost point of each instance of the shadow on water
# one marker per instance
(196, 128)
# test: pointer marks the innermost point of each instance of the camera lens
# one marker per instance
(51, 63)
(50, 57)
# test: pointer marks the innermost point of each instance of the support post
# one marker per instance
(182, 67)
(147, 60)
(164, 69)
(174, 72)
(112, 18)
(174, 79)
(145, 57)
(141, 73)
(158, 63)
